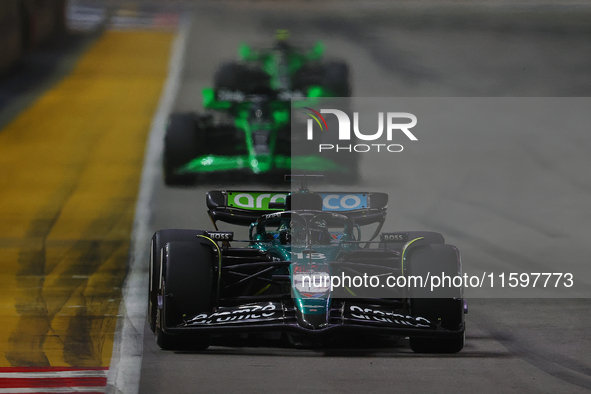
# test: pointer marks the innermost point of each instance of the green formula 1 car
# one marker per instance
(283, 277)
(246, 132)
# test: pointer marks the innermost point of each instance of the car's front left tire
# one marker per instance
(186, 290)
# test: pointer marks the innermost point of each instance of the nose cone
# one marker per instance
(311, 285)
(311, 294)
(312, 312)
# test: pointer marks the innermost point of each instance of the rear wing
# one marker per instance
(245, 207)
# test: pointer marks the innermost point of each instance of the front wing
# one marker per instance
(346, 315)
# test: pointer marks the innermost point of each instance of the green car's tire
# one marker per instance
(337, 79)
(308, 75)
(182, 143)
(333, 76)
(187, 291)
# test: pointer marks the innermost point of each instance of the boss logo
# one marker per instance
(221, 235)
(394, 237)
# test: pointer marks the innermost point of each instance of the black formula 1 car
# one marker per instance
(283, 277)
(246, 131)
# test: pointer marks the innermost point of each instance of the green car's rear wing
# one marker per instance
(249, 53)
(226, 100)
(245, 207)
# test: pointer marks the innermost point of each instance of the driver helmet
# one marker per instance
(319, 234)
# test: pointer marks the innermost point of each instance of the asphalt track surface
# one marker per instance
(506, 208)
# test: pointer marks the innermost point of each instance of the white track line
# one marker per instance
(126, 362)
(54, 374)
(36, 390)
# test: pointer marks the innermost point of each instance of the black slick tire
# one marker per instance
(187, 290)
(336, 79)
(182, 142)
(444, 307)
(159, 241)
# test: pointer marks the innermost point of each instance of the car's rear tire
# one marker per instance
(333, 76)
(187, 290)
(337, 79)
(182, 143)
(159, 241)
(228, 76)
(310, 74)
(446, 309)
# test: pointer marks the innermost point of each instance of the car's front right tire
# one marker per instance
(442, 306)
